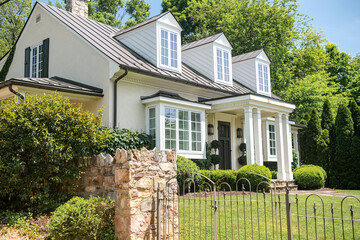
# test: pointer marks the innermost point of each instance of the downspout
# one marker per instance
(115, 94)
(15, 92)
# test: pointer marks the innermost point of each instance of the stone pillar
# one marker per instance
(137, 177)
(258, 138)
(281, 175)
(79, 7)
(287, 147)
(249, 135)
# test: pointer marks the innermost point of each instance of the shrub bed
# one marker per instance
(186, 169)
(81, 218)
(247, 172)
(220, 176)
(309, 177)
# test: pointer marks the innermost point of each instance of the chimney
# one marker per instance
(79, 7)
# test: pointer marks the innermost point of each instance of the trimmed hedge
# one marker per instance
(273, 174)
(81, 218)
(246, 172)
(311, 165)
(309, 177)
(220, 176)
(186, 169)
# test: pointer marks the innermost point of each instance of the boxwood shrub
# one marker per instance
(247, 172)
(81, 218)
(311, 165)
(309, 177)
(220, 176)
(187, 169)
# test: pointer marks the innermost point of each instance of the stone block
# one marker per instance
(145, 183)
(100, 160)
(139, 223)
(166, 166)
(108, 159)
(148, 204)
(122, 175)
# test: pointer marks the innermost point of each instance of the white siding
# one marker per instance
(201, 59)
(245, 73)
(142, 41)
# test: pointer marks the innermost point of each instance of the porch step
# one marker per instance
(281, 185)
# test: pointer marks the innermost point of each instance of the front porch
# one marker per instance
(260, 122)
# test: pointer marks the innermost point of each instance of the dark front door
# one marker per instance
(225, 150)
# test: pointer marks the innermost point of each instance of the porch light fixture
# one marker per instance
(210, 129)
(239, 133)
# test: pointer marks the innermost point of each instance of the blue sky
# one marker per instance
(338, 19)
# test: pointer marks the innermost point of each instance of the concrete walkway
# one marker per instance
(321, 191)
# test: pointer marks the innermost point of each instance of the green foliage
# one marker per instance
(273, 174)
(222, 176)
(242, 147)
(355, 114)
(13, 15)
(327, 118)
(215, 144)
(353, 176)
(125, 139)
(271, 165)
(310, 140)
(343, 134)
(42, 139)
(327, 124)
(81, 218)
(315, 166)
(186, 169)
(242, 160)
(295, 162)
(4, 71)
(309, 177)
(113, 12)
(203, 164)
(247, 172)
(215, 159)
(21, 221)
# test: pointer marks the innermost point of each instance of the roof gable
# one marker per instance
(219, 38)
(261, 54)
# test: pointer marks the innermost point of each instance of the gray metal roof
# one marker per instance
(147, 21)
(201, 42)
(56, 84)
(246, 56)
(101, 35)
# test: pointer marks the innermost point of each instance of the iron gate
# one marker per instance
(228, 209)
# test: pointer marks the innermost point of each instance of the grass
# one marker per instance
(240, 218)
(349, 192)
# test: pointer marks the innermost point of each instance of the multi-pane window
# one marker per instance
(272, 140)
(152, 124)
(170, 128)
(195, 131)
(182, 129)
(36, 61)
(263, 78)
(169, 47)
(222, 63)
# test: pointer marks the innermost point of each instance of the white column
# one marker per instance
(258, 138)
(287, 147)
(249, 136)
(281, 175)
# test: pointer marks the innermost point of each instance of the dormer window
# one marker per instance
(169, 49)
(222, 61)
(263, 77)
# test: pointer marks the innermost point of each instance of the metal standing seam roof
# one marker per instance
(55, 83)
(246, 56)
(201, 42)
(101, 35)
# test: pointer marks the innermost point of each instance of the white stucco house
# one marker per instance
(183, 95)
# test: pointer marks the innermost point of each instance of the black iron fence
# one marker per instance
(217, 211)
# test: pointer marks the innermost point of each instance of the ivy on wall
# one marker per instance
(4, 71)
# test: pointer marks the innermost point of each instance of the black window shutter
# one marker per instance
(27, 62)
(45, 58)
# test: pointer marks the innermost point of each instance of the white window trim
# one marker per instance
(270, 157)
(160, 129)
(169, 67)
(37, 60)
(230, 82)
(258, 77)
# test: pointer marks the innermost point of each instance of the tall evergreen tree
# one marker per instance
(355, 114)
(327, 125)
(341, 166)
(311, 140)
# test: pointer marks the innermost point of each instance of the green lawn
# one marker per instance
(349, 192)
(238, 218)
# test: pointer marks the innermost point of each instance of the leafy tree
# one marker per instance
(353, 175)
(42, 139)
(13, 15)
(113, 12)
(343, 134)
(327, 118)
(310, 140)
